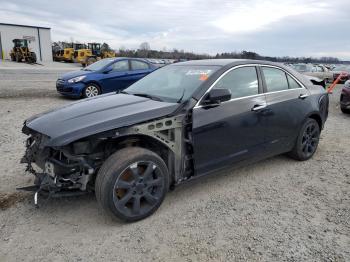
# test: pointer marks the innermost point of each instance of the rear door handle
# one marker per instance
(303, 96)
(258, 107)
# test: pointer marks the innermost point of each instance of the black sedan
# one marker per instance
(180, 122)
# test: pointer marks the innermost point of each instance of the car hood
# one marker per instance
(95, 115)
(70, 75)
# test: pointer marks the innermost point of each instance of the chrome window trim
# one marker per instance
(243, 97)
(217, 80)
(233, 99)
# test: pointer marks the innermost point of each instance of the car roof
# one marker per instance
(133, 58)
(211, 62)
(225, 62)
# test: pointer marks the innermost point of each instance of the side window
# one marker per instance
(138, 65)
(292, 83)
(121, 66)
(242, 82)
(276, 79)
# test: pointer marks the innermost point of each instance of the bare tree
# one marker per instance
(145, 46)
(105, 47)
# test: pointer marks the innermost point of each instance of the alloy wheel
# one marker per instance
(91, 91)
(138, 189)
(310, 139)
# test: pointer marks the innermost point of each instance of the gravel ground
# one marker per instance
(275, 210)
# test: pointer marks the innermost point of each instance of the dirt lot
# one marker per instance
(278, 209)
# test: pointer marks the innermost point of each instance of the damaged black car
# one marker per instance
(178, 123)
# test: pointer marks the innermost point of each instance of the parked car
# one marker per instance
(345, 98)
(106, 75)
(156, 62)
(343, 70)
(319, 71)
(316, 81)
(180, 122)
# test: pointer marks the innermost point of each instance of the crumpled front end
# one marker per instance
(58, 171)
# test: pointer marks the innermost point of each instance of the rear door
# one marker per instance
(287, 102)
(139, 69)
(234, 130)
(118, 78)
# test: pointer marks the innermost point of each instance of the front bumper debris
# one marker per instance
(63, 174)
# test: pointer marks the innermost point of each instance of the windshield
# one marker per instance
(173, 83)
(99, 64)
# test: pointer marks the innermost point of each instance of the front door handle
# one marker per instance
(303, 96)
(258, 107)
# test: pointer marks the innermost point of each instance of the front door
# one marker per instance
(118, 78)
(139, 69)
(234, 130)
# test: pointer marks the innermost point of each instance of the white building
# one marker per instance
(39, 40)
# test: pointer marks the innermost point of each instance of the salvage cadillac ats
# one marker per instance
(180, 122)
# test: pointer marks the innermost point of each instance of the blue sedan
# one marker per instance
(104, 76)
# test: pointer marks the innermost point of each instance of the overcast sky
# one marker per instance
(276, 28)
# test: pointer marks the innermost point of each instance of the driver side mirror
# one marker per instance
(217, 96)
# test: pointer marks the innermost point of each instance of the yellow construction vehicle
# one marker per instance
(67, 53)
(61, 51)
(21, 53)
(93, 53)
(58, 55)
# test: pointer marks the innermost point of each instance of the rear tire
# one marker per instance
(345, 110)
(307, 141)
(132, 184)
(33, 57)
(18, 58)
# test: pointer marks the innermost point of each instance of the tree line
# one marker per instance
(145, 51)
(182, 55)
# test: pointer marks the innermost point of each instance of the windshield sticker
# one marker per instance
(203, 77)
(198, 72)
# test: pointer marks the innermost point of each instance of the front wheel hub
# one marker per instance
(139, 188)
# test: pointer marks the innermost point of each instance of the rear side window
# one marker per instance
(292, 83)
(242, 82)
(138, 65)
(121, 66)
(276, 79)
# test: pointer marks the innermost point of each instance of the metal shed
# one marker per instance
(39, 39)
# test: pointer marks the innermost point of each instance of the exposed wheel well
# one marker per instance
(145, 142)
